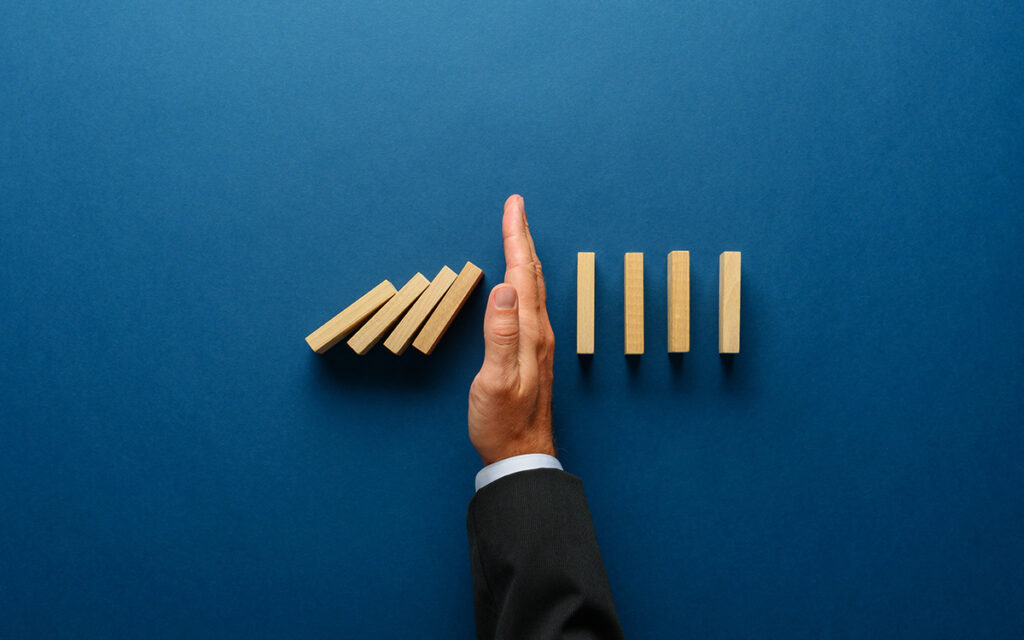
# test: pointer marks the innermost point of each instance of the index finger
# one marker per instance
(520, 266)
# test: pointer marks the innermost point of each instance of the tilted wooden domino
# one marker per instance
(585, 302)
(335, 329)
(678, 301)
(405, 331)
(448, 308)
(385, 318)
(729, 302)
(634, 298)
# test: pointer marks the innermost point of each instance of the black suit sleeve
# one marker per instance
(537, 571)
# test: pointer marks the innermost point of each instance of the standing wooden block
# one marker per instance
(729, 302)
(375, 328)
(402, 336)
(634, 287)
(448, 308)
(585, 302)
(332, 332)
(678, 301)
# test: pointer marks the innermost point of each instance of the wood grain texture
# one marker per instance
(634, 299)
(386, 317)
(405, 331)
(335, 329)
(678, 301)
(439, 321)
(585, 302)
(729, 302)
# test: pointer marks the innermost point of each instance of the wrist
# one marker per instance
(509, 450)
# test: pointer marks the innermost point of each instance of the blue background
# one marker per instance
(187, 189)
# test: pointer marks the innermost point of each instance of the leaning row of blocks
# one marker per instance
(418, 314)
(678, 302)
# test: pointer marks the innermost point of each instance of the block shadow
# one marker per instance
(634, 374)
(676, 366)
(342, 368)
(586, 362)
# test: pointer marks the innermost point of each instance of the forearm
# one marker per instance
(537, 569)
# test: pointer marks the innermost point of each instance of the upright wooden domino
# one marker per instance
(678, 301)
(439, 321)
(634, 299)
(375, 328)
(332, 332)
(585, 302)
(729, 302)
(405, 331)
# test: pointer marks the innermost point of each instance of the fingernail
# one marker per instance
(505, 298)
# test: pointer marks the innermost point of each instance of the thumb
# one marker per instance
(501, 333)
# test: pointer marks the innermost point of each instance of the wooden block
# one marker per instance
(634, 287)
(585, 302)
(678, 301)
(448, 308)
(375, 328)
(402, 336)
(332, 332)
(729, 302)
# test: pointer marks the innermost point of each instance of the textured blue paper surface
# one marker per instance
(187, 190)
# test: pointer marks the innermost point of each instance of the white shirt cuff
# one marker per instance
(515, 464)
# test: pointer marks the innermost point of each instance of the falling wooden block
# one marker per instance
(405, 331)
(678, 301)
(332, 332)
(634, 288)
(729, 302)
(585, 302)
(448, 308)
(385, 318)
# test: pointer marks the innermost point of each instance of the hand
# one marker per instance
(510, 399)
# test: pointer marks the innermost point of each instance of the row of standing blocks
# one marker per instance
(678, 302)
(418, 314)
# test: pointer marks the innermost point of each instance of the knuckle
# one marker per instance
(505, 327)
(546, 355)
(526, 262)
(503, 335)
(545, 340)
(490, 384)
